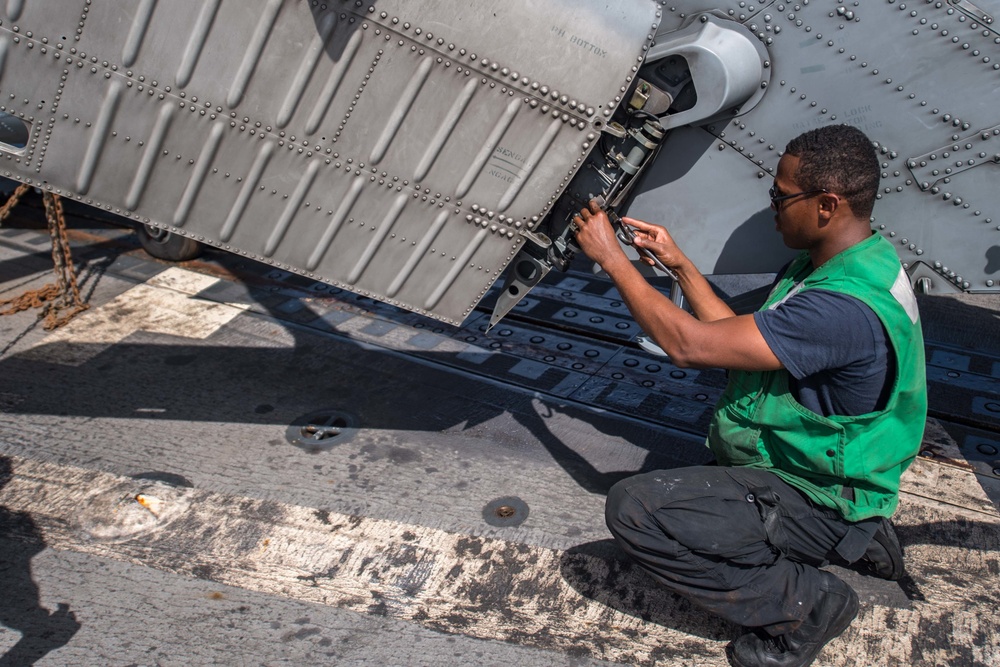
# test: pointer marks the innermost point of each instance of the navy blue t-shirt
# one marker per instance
(835, 349)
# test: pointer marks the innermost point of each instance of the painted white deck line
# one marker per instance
(163, 304)
(475, 586)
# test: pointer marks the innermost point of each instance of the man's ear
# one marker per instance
(828, 205)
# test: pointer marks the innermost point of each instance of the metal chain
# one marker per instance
(12, 201)
(68, 304)
(59, 302)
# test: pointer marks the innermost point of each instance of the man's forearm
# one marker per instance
(724, 342)
(705, 303)
(655, 314)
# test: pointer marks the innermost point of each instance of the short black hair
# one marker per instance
(840, 159)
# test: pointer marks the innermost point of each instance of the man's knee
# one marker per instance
(640, 516)
(620, 509)
(631, 500)
(615, 504)
(686, 505)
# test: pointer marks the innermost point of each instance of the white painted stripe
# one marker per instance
(163, 304)
(477, 586)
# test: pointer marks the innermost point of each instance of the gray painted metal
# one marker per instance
(395, 148)
(920, 78)
(404, 150)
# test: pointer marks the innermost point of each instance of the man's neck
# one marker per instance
(833, 245)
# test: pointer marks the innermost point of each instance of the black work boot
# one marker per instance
(884, 556)
(835, 608)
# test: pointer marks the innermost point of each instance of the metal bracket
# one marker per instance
(651, 99)
(641, 95)
(926, 280)
(614, 129)
(967, 7)
(526, 271)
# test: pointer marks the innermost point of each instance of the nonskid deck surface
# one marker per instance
(221, 463)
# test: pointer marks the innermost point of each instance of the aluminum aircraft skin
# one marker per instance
(418, 151)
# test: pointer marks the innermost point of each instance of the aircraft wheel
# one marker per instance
(163, 245)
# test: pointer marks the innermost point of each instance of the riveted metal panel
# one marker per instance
(21, 96)
(57, 23)
(317, 137)
(919, 78)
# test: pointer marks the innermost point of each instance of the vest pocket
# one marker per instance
(733, 440)
(803, 443)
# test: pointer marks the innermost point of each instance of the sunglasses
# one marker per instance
(776, 199)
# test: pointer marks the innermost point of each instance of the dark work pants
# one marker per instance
(738, 542)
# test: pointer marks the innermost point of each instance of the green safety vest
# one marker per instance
(852, 464)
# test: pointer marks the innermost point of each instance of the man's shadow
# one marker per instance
(41, 631)
(601, 572)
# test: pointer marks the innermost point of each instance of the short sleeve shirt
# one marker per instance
(835, 349)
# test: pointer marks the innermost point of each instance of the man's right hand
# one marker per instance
(658, 241)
